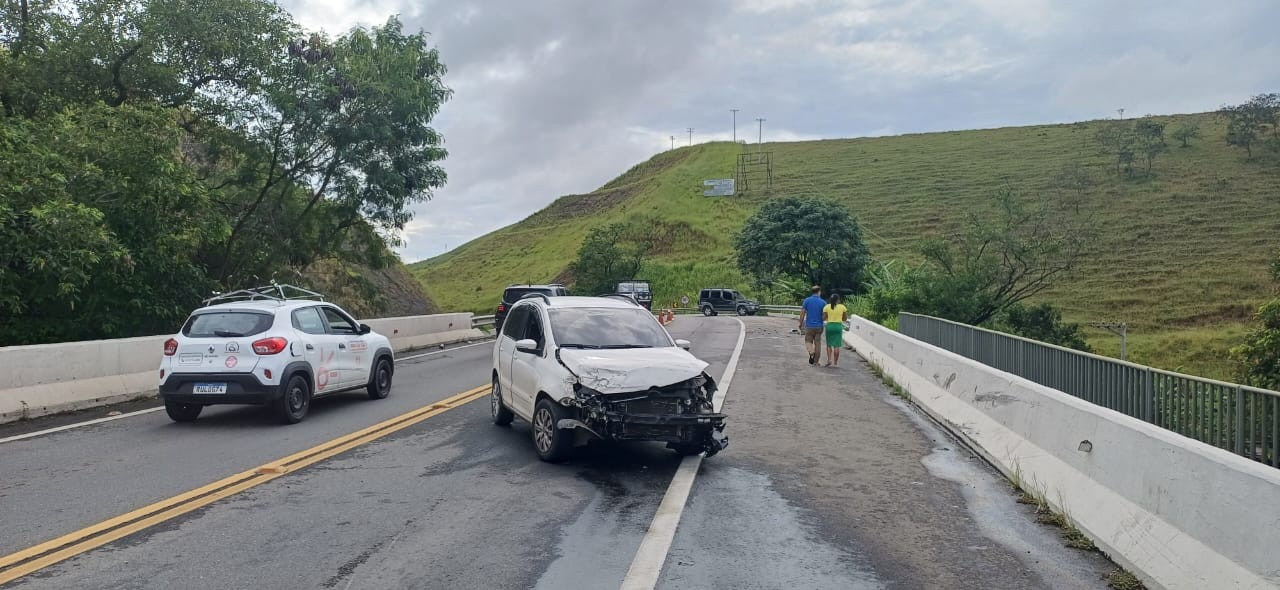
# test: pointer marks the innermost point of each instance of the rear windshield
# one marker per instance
(227, 324)
(607, 328)
(642, 288)
(514, 294)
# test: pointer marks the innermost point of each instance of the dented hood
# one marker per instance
(631, 369)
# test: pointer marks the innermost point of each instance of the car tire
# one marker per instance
(502, 416)
(742, 310)
(379, 386)
(294, 402)
(707, 311)
(179, 412)
(551, 443)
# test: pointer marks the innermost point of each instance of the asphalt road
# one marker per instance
(829, 482)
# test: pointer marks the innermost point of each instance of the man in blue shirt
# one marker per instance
(811, 323)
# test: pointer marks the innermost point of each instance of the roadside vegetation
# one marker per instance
(154, 152)
(1178, 249)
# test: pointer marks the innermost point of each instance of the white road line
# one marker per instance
(647, 564)
(149, 410)
(418, 356)
(78, 425)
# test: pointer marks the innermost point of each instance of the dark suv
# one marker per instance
(515, 292)
(714, 301)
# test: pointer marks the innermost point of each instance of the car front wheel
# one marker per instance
(379, 386)
(708, 311)
(501, 415)
(551, 443)
(295, 402)
(742, 310)
(182, 412)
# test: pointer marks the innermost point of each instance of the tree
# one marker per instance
(1000, 259)
(1042, 322)
(807, 238)
(609, 254)
(1149, 141)
(1186, 132)
(1118, 140)
(1247, 122)
(1258, 358)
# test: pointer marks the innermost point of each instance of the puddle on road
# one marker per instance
(991, 503)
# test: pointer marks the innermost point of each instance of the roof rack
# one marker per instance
(273, 292)
(537, 294)
(627, 298)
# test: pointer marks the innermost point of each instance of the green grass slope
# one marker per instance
(1181, 257)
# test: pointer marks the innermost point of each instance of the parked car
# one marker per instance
(271, 347)
(514, 293)
(713, 301)
(600, 368)
(638, 290)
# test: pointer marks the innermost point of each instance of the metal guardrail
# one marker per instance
(481, 320)
(1238, 418)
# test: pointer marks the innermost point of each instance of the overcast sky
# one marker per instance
(555, 97)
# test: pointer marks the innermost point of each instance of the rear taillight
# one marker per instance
(270, 345)
(170, 347)
(502, 308)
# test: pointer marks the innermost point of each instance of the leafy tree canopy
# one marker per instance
(813, 239)
(151, 152)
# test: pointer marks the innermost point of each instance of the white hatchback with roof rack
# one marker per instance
(276, 346)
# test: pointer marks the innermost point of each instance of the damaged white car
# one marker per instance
(600, 368)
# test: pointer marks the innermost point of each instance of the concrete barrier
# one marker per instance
(50, 378)
(1174, 511)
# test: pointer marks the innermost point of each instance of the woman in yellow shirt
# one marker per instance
(834, 313)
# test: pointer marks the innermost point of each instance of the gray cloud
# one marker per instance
(556, 97)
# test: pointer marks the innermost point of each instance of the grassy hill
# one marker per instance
(1181, 257)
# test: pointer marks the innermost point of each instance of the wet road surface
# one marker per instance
(829, 482)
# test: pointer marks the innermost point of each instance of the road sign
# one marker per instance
(718, 187)
(684, 300)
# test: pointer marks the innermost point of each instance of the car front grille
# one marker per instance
(653, 406)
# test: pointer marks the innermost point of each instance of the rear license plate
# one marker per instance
(209, 388)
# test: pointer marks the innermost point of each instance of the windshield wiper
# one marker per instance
(227, 334)
(626, 346)
(591, 346)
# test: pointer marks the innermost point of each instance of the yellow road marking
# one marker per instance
(21, 563)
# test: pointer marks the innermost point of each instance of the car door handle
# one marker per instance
(342, 346)
(310, 347)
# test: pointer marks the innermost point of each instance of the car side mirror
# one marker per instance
(528, 345)
(685, 344)
(365, 329)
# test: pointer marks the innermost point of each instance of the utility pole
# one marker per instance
(1120, 329)
(690, 130)
(1121, 111)
(735, 124)
(760, 132)
(673, 142)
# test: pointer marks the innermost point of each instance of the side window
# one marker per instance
(703, 294)
(514, 326)
(339, 323)
(308, 320)
(534, 331)
(715, 295)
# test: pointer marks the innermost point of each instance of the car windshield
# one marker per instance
(639, 288)
(227, 324)
(606, 327)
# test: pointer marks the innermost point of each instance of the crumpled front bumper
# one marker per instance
(679, 415)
